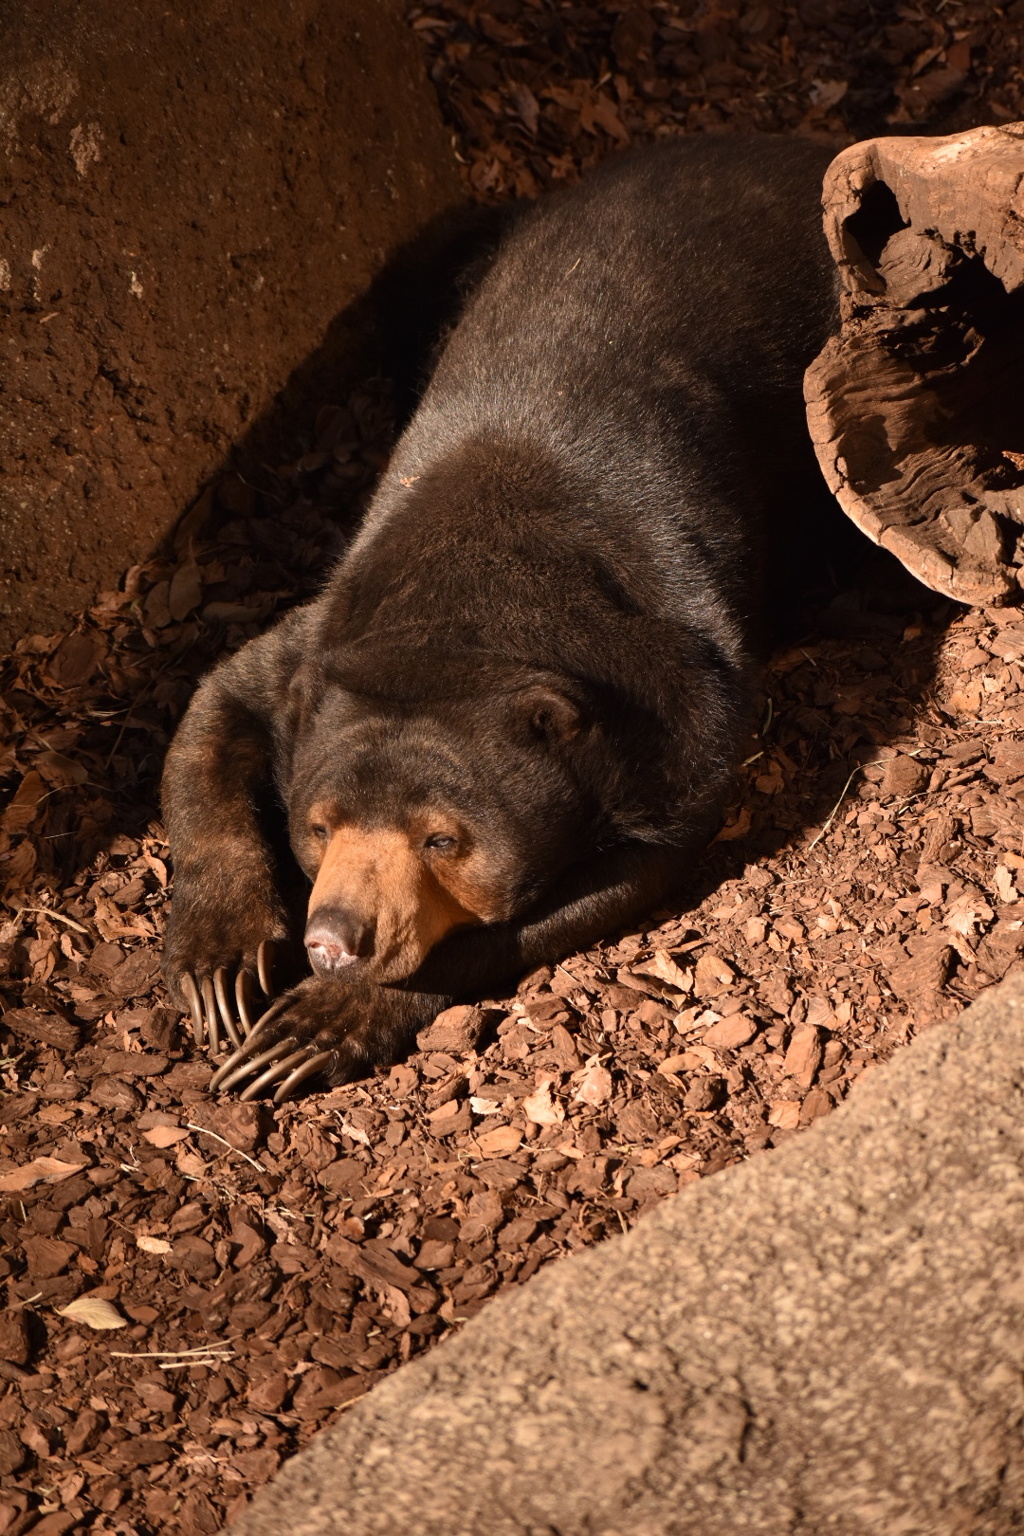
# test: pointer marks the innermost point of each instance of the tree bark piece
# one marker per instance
(827, 1338)
(916, 407)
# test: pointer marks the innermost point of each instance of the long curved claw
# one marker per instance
(195, 1003)
(210, 1010)
(243, 986)
(243, 1064)
(302, 1071)
(264, 966)
(220, 987)
(297, 1037)
(226, 1068)
(265, 1018)
(245, 1058)
(274, 1073)
(224, 1071)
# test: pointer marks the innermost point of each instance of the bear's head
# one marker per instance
(414, 816)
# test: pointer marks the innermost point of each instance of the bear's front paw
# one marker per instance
(328, 1029)
(222, 998)
(221, 950)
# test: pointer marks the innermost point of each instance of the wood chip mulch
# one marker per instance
(267, 1267)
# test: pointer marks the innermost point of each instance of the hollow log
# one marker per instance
(916, 406)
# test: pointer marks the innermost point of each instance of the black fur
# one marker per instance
(552, 614)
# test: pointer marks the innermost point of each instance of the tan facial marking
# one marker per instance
(469, 891)
(379, 877)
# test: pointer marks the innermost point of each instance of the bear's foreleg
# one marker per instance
(228, 910)
(592, 900)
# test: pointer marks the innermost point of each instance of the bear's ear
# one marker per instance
(549, 714)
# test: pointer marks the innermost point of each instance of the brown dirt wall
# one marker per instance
(188, 197)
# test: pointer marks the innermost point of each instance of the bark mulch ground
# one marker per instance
(267, 1267)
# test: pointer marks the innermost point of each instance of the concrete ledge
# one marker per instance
(829, 1338)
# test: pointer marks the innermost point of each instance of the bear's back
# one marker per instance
(692, 264)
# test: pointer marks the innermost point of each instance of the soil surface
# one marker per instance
(265, 1268)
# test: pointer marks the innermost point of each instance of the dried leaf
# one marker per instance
(711, 974)
(76, 659)
(153, 1244)
(526, 105)
(664, 968)
(94, 1312)
(42, 1170)
(59, 770)
(603, 113)
(594, 1083)
(189, 1164)
(186, 591)
(735, 828)
(165, 1135)
(542, 1108)
(967, 913)
(23, 805)
(353, 1131)
(827, 93)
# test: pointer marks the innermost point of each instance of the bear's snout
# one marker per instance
(375, 901)
(336, 939)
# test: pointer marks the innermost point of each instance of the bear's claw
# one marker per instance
(211, 1008)
(294, 1069)
(282, 1061)
(335, 1031)
(215, 1012)
(264, 965)
(195, 1004)
(243, 1062)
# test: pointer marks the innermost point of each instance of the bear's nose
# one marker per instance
(335, 939)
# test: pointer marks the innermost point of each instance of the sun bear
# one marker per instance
(507, 725)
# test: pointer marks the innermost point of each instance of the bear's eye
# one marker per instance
(441, 841)
(320, 833)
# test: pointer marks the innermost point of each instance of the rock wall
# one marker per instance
(189, 196)
(827, 1338)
